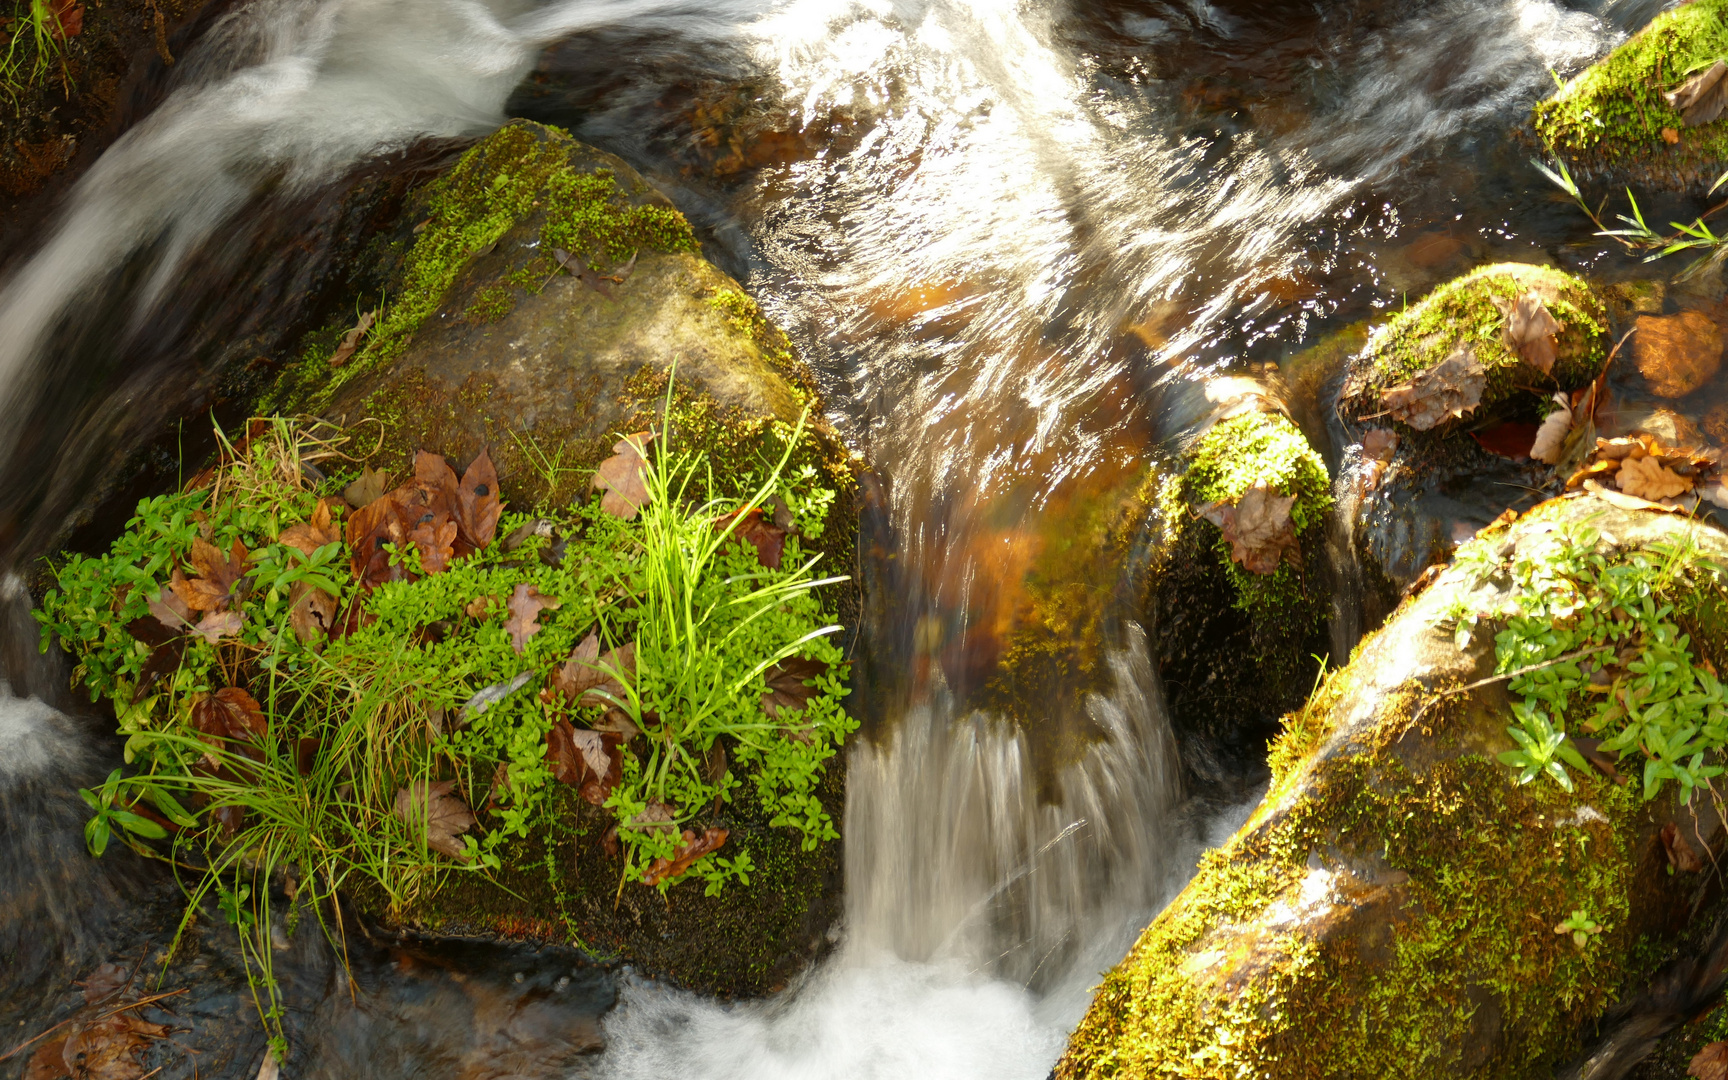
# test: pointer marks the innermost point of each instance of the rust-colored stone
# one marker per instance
(1677, 353)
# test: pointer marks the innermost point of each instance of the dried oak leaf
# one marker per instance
(586, 670)
(219, 578)
(66, 19)
(1551, 436)
(102, 1048)
(477, 505)
(623, 476)
(1701, 98)
(1449, 389)
(526, 604)
(1647, 478)
(1681, 856)
(436, 542)
(351, 340)
(763, 534)
(446, 817)
(1258, 527)
(369, 488)
(692, 848)
(1529, 329)
(1710, 1063)
(787, 691)
(308, 536)
(1627, 502)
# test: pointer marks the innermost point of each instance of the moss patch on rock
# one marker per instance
(1464, 311)
(1610, 118)
(1394, 905)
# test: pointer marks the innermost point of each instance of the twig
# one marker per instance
(111, 1012)
(1578, 655)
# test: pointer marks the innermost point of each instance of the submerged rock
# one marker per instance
(1625, 120)
(1677, 353)
(1400, 904)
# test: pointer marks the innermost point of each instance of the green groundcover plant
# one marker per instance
(321, 681)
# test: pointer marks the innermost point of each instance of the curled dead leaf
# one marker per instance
(1702, 97)
(768, 538)
(587, 671)
(1647, 478)
(351, 340)
(1551, 436)
(590, 761)
(1529, 329)
(691, 848)
(220, 577)
(1710, 1063)
(477, 503)
(1258, 528)
(1448, 390)
(1681, 855)
(369, 488)
(308, 536)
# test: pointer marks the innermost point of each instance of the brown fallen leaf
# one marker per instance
(351, 340)
(436, 542)
(1379, 444)
(590, 761)
(477, 505)
(1258, 528)
(1670, 135)
(313, 614)
(1448, 390)
(216, 625)
(1529, 330)
(219, 577)
(623, 476)
(444, 816)
(1681, 856)
(787, 692)
(432, 492)
(371, 527)
(105, 981)
(99, 1048)
(1702, 97)
(1625, 501)
(763, 534)
(230, 714)
(1710, 1063)
(587, 671)
(1647, 478)
(526, 604)
(171, 612)
(369, 488)
(65, 19)
(480, 607)
(308, 536)
(1551, 436)
(692, 848)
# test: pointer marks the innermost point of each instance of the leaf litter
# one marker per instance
(1258, 528)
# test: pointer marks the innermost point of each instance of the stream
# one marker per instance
(1016, 241)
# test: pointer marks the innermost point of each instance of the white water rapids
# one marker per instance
(978, 914)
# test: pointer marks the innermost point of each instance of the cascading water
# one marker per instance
(1014, 277)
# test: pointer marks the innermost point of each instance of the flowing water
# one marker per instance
(1016, 240)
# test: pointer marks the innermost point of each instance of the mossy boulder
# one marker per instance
(1464, 312)
(1610, 123)
(1234, 645)
(483, 339)
(1394, 905)
(543, 298)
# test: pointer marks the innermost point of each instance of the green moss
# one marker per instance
(1464, 310)
(1488, 869)
(1613, 113)
(518, 170)
(1263, 449)
(744, 316)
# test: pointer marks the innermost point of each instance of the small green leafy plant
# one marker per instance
(1596, 642)
(311, 704)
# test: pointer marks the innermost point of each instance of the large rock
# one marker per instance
(482, 339)
(1612, 122)
(1394, 907)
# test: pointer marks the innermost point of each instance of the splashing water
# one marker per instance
(1029, 252)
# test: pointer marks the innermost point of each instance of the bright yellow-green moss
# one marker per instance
(1464, 310)
(518, 170)
(1468, 978)
(1249, 450)
(1613, 113)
